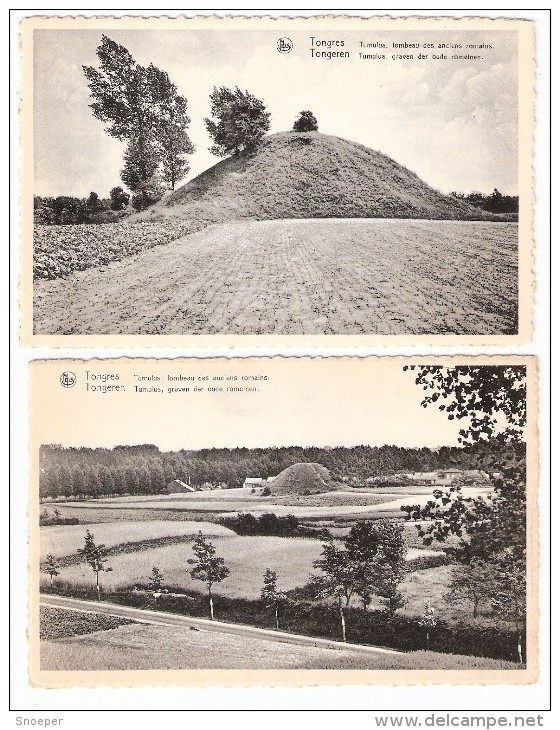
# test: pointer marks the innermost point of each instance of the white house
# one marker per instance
(253, 482)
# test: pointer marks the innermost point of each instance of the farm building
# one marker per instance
(177, 486)
(254, 482)
(441, 478)
(257, 482)
(438, 478)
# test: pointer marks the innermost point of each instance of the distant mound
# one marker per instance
(312, 175)
(304, 477)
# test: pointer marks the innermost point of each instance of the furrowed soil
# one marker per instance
(328, 276)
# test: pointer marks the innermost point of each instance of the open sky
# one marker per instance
(454, 123)
(303, 402)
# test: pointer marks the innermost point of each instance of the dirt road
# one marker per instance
(173, 620)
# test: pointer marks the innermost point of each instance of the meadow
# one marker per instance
(65, 540)
(335, 276)
(247, 558)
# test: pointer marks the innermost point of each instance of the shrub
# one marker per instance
(267, 524)
(423, 562)
(47, 518)
(59, 251)
(306, 122)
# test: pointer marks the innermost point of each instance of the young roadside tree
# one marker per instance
(428, 621)
(155, 580)
(339, 579)
(208, 567)
(51, 567)
(510, 590)
(472, 583)
(95, 556)
(270, 596)
(388, 589)
(240, 121)
(377, 551)
(306, 122)
(391, 566)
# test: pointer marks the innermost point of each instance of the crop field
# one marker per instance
(142, 647)
(60, 250)
(62, 540)
(57, 624)
(334, 276)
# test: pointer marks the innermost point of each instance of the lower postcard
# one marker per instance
(283, 521)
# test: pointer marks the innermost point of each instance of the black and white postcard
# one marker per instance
(283, 520)
(258, 180)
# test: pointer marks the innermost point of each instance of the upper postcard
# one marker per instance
(258, 181)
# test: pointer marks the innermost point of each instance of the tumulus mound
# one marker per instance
(304, 478)
(311, 175)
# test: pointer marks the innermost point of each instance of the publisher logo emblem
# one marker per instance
(284, 45)
(68, 379)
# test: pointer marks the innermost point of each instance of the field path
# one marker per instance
(169, 619)
(321, 276)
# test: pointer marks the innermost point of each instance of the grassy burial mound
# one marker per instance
(304, 478)
(312, 175)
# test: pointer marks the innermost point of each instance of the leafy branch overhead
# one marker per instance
(493, 398)
(491, 530)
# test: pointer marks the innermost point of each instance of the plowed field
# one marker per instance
(321, 276)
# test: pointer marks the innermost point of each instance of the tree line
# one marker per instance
(495, 202)
(144, 469)
(67, 210)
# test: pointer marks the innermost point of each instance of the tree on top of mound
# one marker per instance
(307, 122)
(241, 121)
